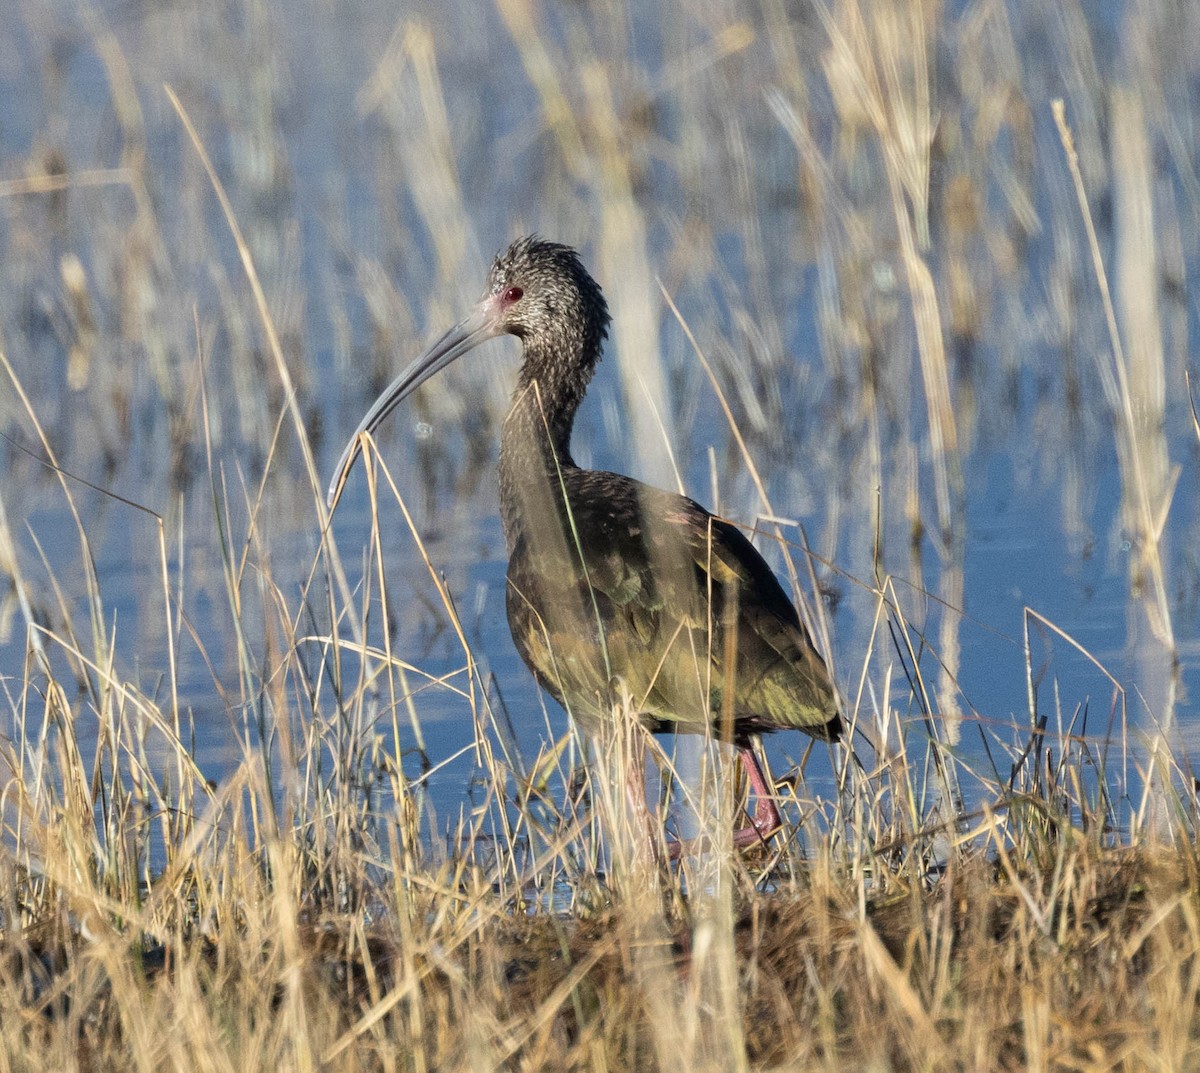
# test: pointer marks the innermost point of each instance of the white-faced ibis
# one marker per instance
(617, 589)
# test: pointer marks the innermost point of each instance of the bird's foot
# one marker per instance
(765, 822)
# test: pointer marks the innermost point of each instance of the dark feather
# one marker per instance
(617, 590)
(643, 590)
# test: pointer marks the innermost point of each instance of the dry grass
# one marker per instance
(316, 935)
(219, 845)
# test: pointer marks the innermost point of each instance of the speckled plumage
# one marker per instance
(609, 579)
(615, 589)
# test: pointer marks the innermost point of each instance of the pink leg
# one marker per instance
(766, 819)
(763, 824)
(639, 810)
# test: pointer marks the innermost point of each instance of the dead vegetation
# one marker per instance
(878, 249)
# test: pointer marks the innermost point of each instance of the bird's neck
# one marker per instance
(535, 443)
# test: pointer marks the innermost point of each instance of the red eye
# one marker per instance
(513, 294)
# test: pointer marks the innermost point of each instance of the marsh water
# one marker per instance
(1034, 539)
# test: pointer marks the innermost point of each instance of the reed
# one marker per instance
(846, 248)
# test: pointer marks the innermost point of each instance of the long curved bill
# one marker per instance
(475, 329)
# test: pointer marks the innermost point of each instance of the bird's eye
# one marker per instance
(513, 294)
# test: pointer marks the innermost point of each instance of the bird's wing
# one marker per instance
(656, 597)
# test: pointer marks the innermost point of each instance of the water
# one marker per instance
(373, 182)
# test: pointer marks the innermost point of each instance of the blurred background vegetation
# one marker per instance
(865, 219)
(953, 332)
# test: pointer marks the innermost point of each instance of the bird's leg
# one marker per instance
(766, 819)
(645, 843)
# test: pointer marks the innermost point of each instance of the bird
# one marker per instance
(617, 590)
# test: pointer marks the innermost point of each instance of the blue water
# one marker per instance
(325, 166)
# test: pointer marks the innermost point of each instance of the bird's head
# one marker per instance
(538, 291)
